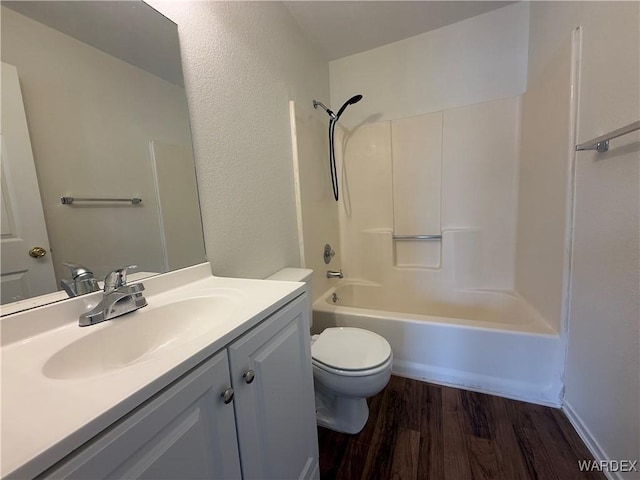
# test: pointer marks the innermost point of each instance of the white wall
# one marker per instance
(479, 59)
(243, 62)
(602, 371)
(96, 152)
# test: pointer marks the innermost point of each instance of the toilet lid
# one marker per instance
(348, 348)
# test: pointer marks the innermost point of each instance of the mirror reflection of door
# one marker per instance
(23, 227)
(100, 81)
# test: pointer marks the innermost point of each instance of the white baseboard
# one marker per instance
(549, 396)
(588, 439)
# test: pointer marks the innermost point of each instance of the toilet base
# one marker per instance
(341, 414)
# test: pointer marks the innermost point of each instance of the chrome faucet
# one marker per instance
(82, 280)
(332, 274)
(118, 299)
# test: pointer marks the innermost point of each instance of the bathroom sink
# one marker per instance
(140, 335)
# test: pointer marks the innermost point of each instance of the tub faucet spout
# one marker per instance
(332, 274)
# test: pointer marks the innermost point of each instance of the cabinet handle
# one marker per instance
(249, 375)
(227, 395)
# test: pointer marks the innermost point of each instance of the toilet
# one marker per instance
(349, 366)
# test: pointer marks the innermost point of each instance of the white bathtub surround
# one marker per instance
(492, 342)
(475, 178)
(416, 158)
(480, 182)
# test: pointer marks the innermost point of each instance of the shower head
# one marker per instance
(317, 104)
(332, 126)
(351, 101)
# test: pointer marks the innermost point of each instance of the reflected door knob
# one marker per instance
(37, 252)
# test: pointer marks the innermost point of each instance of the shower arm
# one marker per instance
(317, 104)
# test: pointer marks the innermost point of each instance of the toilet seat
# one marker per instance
(352, 373)
(350, 351)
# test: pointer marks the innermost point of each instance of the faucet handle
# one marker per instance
(77, 270)
(117, 278)
(82, 280)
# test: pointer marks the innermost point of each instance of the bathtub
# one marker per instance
(487, 341)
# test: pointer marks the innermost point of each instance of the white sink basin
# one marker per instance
(140, 335)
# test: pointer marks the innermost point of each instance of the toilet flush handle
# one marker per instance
(249, 375)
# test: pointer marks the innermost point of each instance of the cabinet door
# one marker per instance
(187, 431)
(275, 412)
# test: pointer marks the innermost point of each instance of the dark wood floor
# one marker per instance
(418, 430)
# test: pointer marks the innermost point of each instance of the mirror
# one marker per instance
(93, 108)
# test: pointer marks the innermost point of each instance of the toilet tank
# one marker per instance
(295, 275)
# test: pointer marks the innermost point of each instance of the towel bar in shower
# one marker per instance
(601, 143)
(71, 200)
(417, 237)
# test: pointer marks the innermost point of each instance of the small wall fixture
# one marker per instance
(71, 200)
(601, 144)
(328, 253)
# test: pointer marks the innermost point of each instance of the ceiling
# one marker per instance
(131, 31)
(336, 28)
(342, 28)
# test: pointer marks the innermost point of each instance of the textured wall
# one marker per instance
(602, 380)
(243, 62)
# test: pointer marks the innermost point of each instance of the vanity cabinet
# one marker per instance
(187, 431)
(272, 377)
(264, 427)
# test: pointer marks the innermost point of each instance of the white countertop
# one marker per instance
(44, 419)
